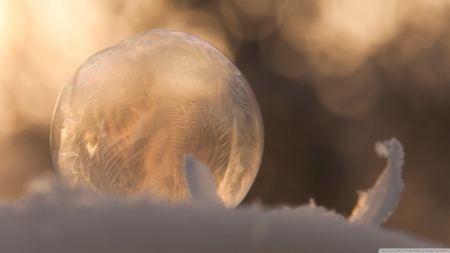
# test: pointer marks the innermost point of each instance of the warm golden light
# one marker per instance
(331, 76)
(129, 114)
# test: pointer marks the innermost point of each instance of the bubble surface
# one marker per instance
(127, 116)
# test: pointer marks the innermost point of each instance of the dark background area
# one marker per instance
(331, 77)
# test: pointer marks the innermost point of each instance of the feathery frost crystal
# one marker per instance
(128, 115)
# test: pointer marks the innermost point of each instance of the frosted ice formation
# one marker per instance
(200, 181)
(377, 204)
(127, 116)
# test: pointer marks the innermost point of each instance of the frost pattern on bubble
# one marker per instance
(128, 115)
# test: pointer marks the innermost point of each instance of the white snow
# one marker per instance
(57, 218)
(377, 204)
(200, 181)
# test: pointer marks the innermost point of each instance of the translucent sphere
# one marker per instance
(127, 116)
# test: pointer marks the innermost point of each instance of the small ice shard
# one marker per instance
(377, 204)
(200, 181)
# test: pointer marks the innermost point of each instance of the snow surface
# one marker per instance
(57, 218)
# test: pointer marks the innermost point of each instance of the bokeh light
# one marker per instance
(332, 77)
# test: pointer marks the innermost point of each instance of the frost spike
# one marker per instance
(200, 181)
(377, 204)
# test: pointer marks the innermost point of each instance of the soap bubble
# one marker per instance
(127, 116)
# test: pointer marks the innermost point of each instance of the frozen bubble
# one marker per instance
(128, 115)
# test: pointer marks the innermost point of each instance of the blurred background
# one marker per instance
(332, 77)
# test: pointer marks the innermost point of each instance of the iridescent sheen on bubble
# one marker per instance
(128, 115)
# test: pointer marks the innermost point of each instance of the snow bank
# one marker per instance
(57, 218)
